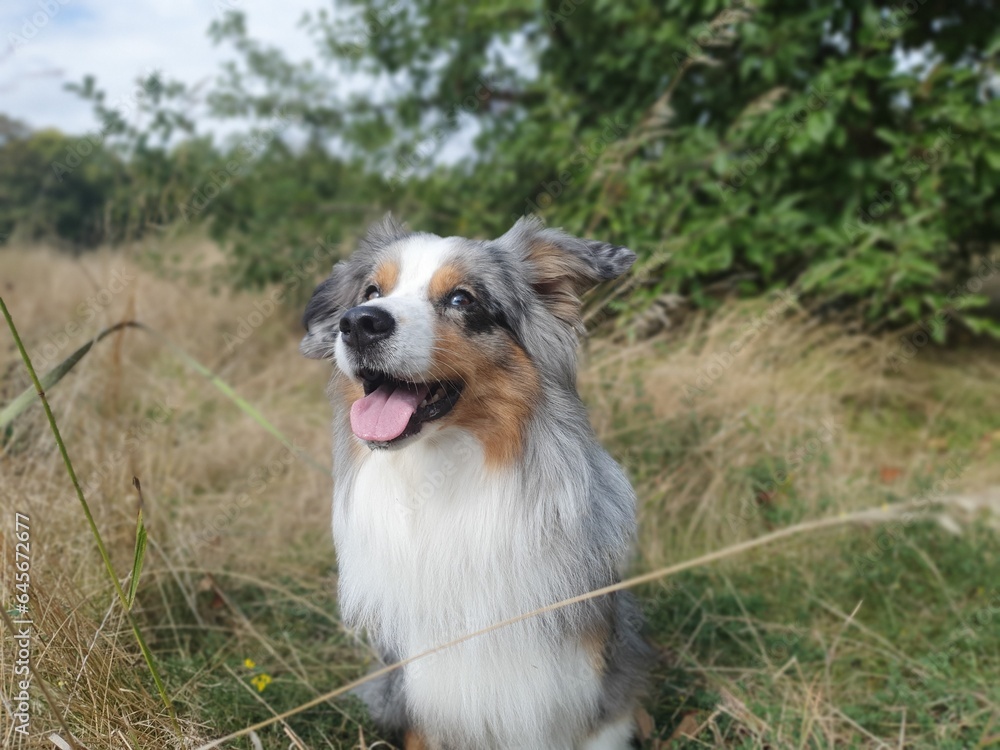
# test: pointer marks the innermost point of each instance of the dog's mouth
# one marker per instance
(394, 409)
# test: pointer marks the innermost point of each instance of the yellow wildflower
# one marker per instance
(261, 681)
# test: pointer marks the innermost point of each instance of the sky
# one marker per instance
(45, 44)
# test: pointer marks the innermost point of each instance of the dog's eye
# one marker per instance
(459, 299)
(372, 292)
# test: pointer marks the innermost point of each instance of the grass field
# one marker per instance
(864, 636)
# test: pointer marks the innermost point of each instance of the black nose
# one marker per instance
(364, 325)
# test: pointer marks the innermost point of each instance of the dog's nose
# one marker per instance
(364, 325)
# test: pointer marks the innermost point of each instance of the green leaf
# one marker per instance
(982, 326)
(53, 376)
(819, 125)
(140, 551)
(891, 137)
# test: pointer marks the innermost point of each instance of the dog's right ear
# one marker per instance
(561, 267)
(322, 316)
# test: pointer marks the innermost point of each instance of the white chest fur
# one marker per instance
(432, 546)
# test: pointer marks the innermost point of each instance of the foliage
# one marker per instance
(288, 211)
(35, 202)
(848, 150)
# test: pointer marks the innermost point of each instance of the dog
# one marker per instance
(469, 488)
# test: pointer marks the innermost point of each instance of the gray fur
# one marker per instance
(386, 699)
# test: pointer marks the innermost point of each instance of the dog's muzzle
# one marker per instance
(365, 325)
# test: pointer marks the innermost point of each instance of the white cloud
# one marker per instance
(47, 43)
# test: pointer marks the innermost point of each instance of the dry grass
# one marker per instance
(240, 562)
(131, 409)
(699, 456)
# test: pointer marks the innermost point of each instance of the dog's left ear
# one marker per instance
(322, 316)
(562, 267)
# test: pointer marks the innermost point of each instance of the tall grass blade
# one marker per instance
(53, 376)
(146, 653)
(140, 548)
(25, 399)
(227, 390)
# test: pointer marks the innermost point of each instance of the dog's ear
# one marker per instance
(322, 316)
(562, 267)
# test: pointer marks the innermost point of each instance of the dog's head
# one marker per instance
(432, 332)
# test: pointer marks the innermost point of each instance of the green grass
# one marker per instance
(926, 637)
(744, 620)
(298, 650)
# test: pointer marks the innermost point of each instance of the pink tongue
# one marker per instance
(384, 413)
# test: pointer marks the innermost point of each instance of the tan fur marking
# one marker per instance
(557, 276)
(444, 280)
(595, 643)
(644, 724)
(386, 276)
(414, 741)
(501, 389)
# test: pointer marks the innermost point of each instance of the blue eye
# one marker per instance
(460, 299)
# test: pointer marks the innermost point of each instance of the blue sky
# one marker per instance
(47, 43)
